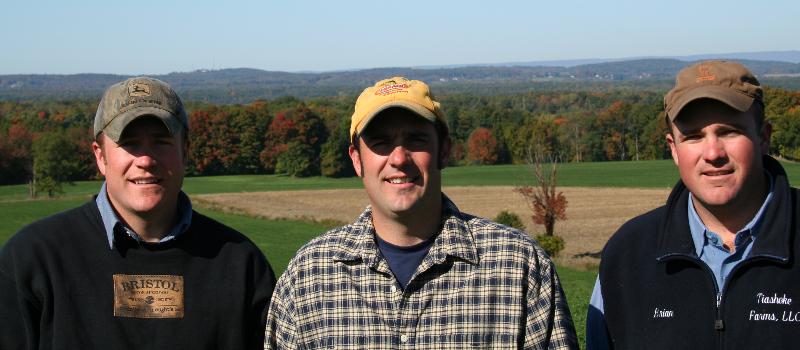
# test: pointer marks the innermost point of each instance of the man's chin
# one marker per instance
(716, 200)
(149, 206)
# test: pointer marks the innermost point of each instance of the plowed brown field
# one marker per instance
(593, 214)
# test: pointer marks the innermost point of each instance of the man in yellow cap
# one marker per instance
(413, 271)
(717, 266)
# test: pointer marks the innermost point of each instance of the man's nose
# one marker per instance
(145, 155)
(399, 156)
(145, 160)
(714, 149)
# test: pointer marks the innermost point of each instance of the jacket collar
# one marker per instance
(774, 233)
(454, 239)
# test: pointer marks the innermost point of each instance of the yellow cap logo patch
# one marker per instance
(391, 87)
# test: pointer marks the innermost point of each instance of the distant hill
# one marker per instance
(242, 85)
(792, 56)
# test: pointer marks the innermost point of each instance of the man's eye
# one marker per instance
(730, 132)
(692, 137)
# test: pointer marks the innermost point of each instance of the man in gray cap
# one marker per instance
(135, 267)
(716, 267)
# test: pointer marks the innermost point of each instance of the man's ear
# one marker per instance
(765, 137)
(99, 157)
(671, 142)
(444, 153)
(355, 157)
(185, 151)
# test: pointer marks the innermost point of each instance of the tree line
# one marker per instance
(49, 141)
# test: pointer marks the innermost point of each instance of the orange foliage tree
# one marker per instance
(482, 147)
(547, 204)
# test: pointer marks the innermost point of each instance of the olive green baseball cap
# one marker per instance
(726, 81)
(413, 95)
(126, 101)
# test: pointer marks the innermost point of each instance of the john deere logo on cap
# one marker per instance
(391, 87)
(703, 74)
(138, 89)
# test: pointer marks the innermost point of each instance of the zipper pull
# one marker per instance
(718, 324)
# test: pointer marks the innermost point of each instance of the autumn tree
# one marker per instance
(546, 204)
(211, 140)
(482, 147)
(613, 126)
(295, 125)
(227, 139)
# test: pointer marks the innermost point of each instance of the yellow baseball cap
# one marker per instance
(412, 95)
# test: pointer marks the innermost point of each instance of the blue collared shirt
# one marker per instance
(710, 250)
(709, 245)
(111, 220)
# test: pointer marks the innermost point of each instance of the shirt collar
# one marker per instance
(700, 233)
(111, 220)
(455, 238)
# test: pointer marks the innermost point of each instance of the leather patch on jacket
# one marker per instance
(148, 296)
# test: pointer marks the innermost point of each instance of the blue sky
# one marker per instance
(156, 37)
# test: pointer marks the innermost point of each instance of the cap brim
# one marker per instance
(413, 107)
(121, 121)
(738, 101)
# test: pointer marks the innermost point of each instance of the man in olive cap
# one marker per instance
(413, 271)
(135, 267)
(717, 266)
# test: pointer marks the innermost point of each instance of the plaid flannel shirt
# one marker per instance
(481, 285)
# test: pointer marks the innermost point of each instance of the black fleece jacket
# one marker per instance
(659, 295)
(63, 287)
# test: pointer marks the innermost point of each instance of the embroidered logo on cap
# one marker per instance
(148, 296)
(704, 74)
(391, 87)
(138, 89)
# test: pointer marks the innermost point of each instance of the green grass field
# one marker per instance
(661, 173)
(641, 174)
(279, 239)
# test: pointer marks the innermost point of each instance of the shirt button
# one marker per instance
(393, 289)
(404, 338)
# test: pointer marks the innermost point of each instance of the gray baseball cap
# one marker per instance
(123, 102)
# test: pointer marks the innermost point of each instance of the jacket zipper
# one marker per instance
(719, 324)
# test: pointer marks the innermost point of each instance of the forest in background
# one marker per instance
(50, 140)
